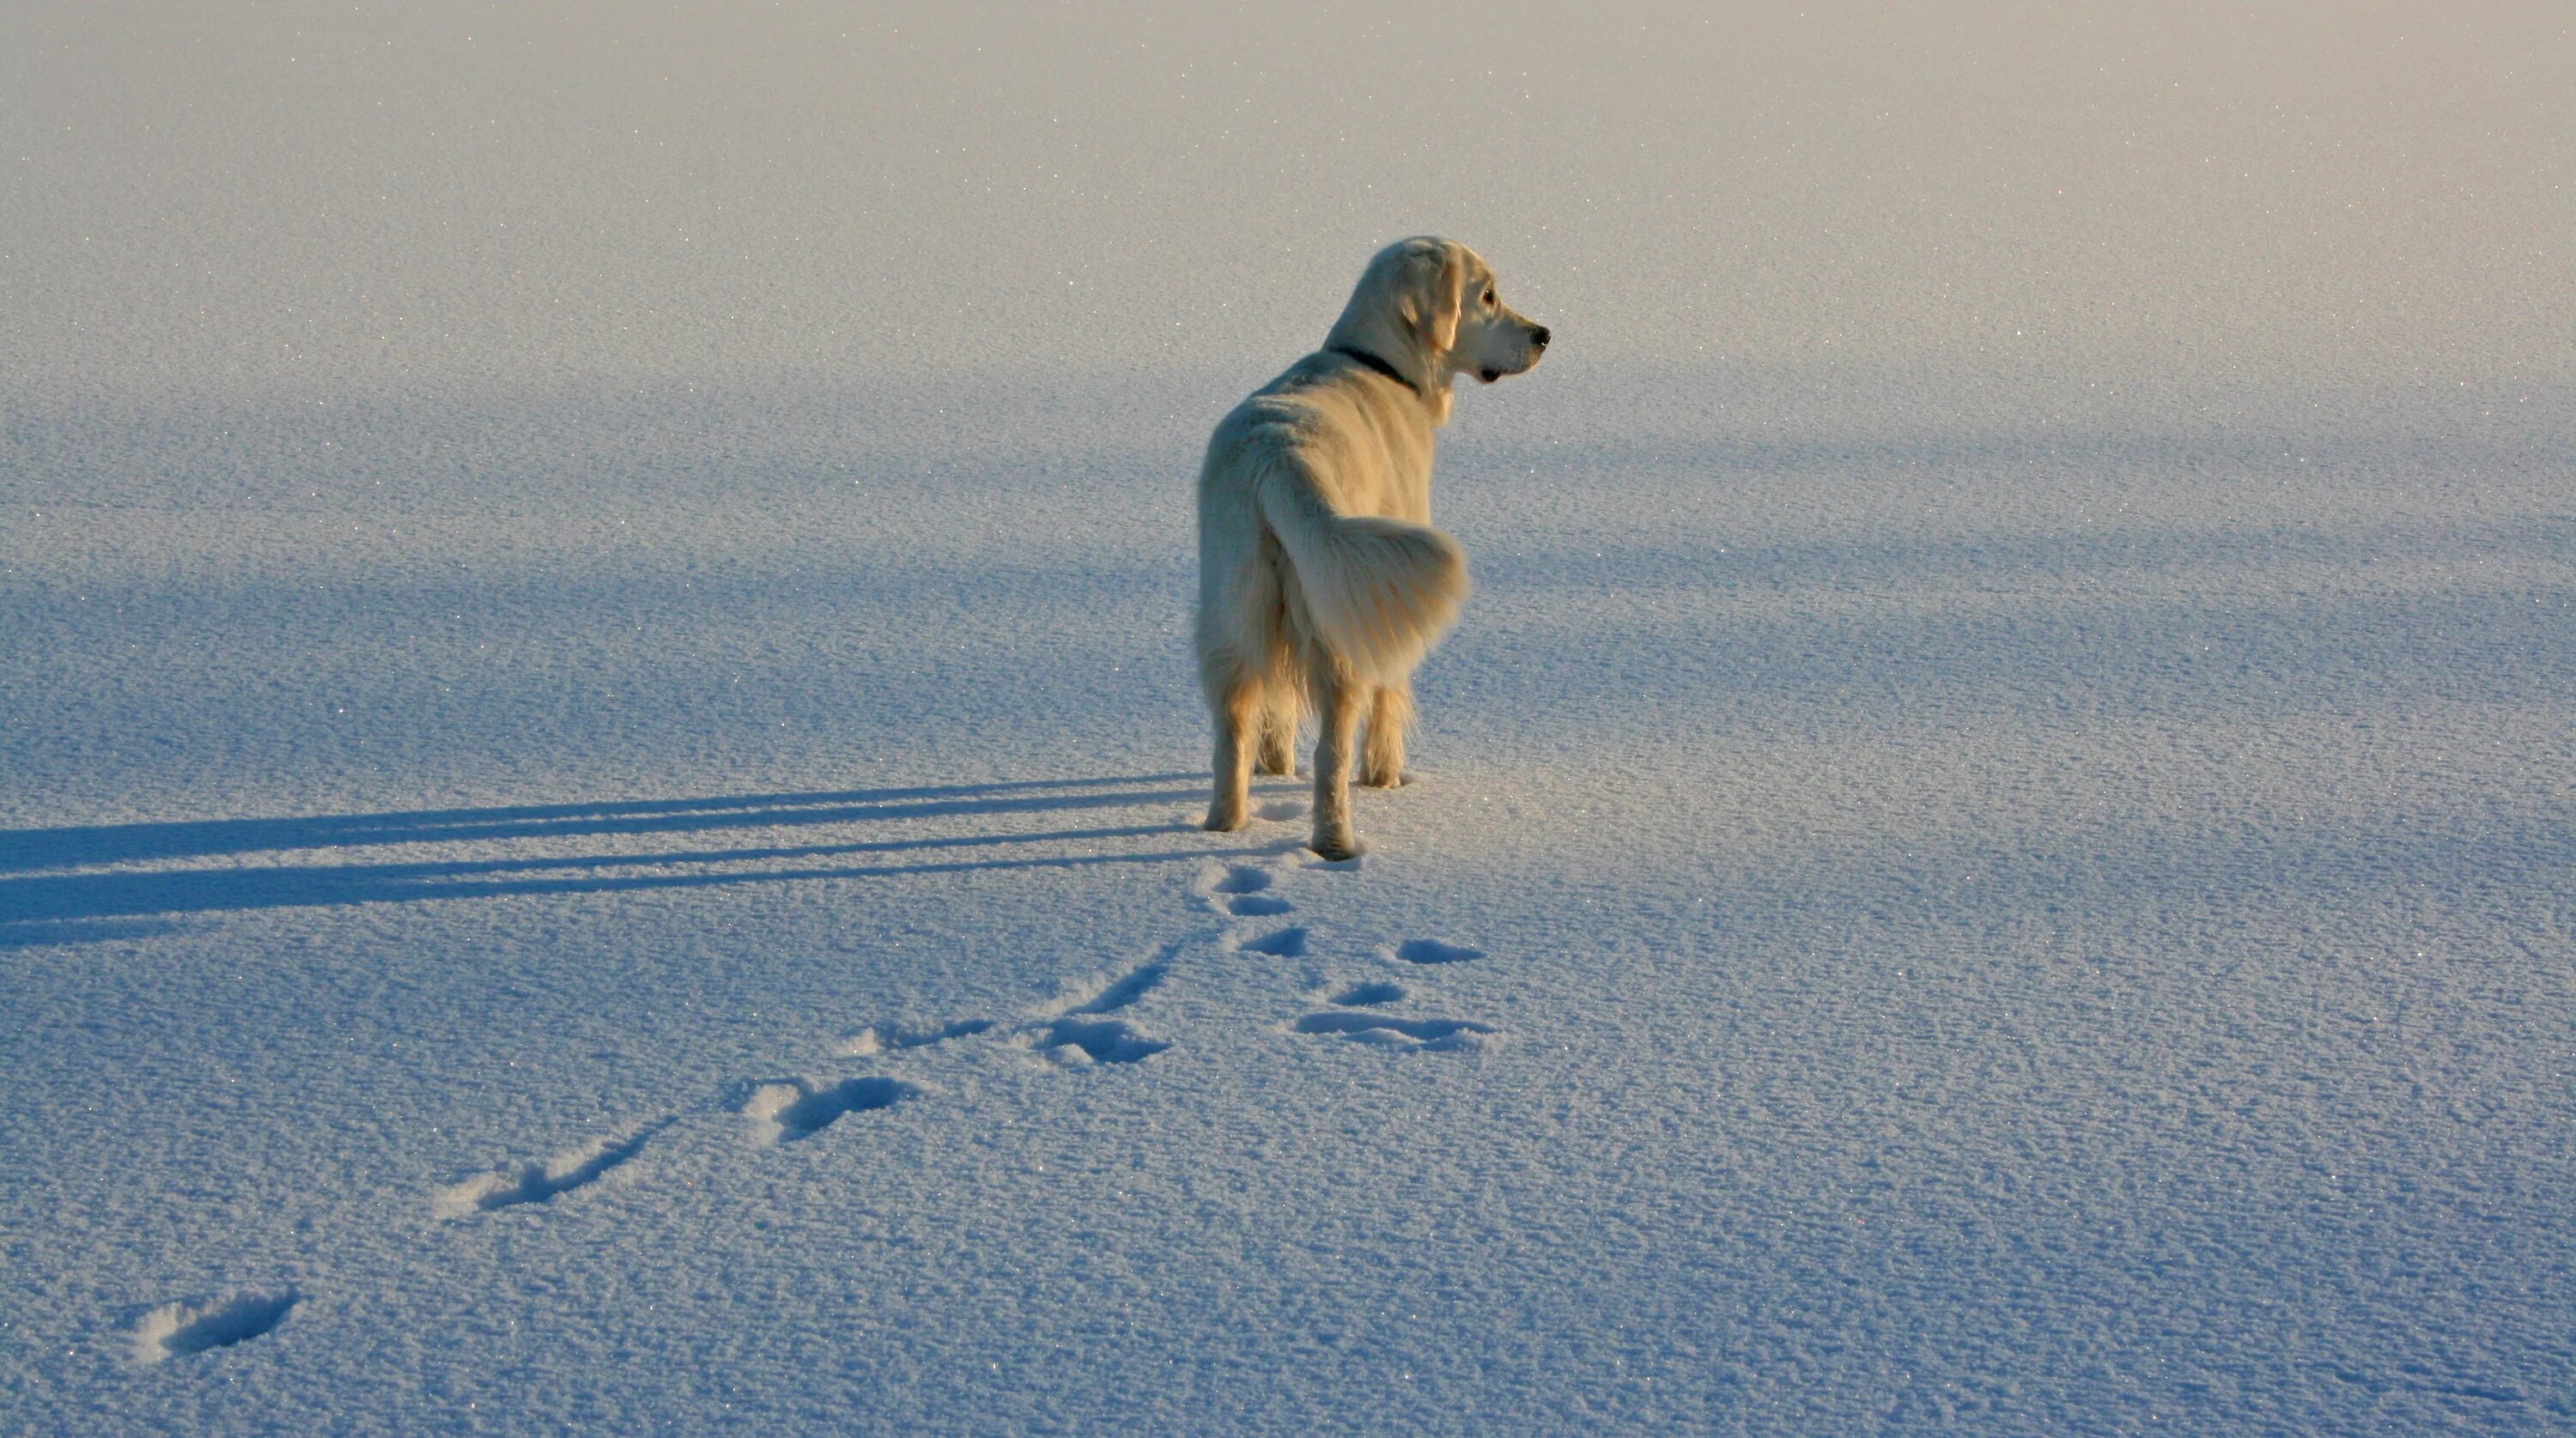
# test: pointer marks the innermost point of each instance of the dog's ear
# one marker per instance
(1435, 285)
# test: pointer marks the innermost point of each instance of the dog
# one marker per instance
(1321, 583)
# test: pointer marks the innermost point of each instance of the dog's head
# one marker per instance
(1429, 306)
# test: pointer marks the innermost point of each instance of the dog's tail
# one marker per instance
(1380, 592)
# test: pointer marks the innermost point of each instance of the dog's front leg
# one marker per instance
(1339, 697)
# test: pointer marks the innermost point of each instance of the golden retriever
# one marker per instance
(1321, 582)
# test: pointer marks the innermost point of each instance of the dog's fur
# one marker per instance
(1321, 582)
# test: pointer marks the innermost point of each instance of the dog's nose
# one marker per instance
(1540, 339)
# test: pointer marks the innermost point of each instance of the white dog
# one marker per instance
(1321, 582)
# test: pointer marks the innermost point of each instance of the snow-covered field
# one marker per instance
(597, 753)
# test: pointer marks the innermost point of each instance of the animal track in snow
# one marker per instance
(541, 1182)
(1244, 890)
(1361, 995)
(1432, 951)
(888, 1037)
(1080, 1043)
(1125, 990)
(179, 1328)
(796, 1109)
(1284, 944)
(1280, 809)
(1386, 1030)
(1075, 1037)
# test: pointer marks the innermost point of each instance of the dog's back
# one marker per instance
(1312, 548)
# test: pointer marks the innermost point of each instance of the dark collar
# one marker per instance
(1381, 366)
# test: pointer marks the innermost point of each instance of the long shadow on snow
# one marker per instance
(55, 908)
(22, 849)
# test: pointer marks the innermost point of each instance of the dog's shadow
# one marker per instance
(165, 869)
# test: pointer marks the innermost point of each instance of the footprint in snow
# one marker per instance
(1123, 991)
(1348, 1019)
(176, 1329)
(1368, 995)
(1080, 1043)
(1281, 944)
(1247, 893)
(889, 1037)
(1079, 1036)
(1433, 951)
(792, 1110)
(542, 1182)
(1388, 1031)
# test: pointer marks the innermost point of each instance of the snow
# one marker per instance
(597, 754)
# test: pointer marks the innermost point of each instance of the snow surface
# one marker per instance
(597, 754)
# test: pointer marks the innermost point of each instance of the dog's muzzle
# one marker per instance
(1538, 347)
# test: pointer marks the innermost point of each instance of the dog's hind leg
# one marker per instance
(1237, 712)
(1339, 697)
(1382, 763)
(1279, 716)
